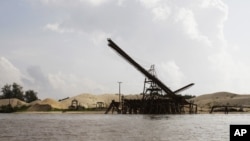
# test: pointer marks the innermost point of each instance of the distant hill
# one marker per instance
(206, 101)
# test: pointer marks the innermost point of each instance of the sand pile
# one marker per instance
(52, 102)
(45, 105)
(35, 102)
(39, 107)
(85, 100)
(204, 102)
(13, 102)
(131, 96)
(90, 100)
(221, 98)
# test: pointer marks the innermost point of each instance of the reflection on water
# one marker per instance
(156, 117)
(50, 127)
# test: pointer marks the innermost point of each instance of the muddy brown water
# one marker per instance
(100, 127)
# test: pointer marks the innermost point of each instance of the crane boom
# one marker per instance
(142, 70)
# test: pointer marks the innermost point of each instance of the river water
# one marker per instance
(100, 127)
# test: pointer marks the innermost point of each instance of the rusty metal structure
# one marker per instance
(157, 97)
(228, 108)
(74, 105)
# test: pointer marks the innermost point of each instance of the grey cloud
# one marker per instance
(70, 39)
(9, 73)
(39, 81)
(36, 73)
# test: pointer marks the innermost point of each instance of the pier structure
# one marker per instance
(228, 108)
(157, 98)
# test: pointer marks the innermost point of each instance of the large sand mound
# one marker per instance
(90, 100)
(45, 105)
(131, 96)
(221, 98)
(205, 101)
(39, 107)
(52, 102)
(85, 100)
(35, 102)
(13, 102)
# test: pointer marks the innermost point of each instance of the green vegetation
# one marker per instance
(30, 96)
(186, 96)
(16, 91)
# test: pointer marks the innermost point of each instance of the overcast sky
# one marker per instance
(59, 47)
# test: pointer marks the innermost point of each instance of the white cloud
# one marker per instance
(171, 72)
(99, 37)
(161, 13)
(178, 15)
(150, 3)
(218, 12)
(190, 26)
(70, 84)
(58, 81)
(159, 9)
(189, 32)
(232, 74)
(9, 73)
(120, 2)
(56, 27)
(218, 4)
(96, 2)
(77, 2)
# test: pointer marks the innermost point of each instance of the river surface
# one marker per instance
(100, 127)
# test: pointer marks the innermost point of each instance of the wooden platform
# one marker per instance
(157, 106)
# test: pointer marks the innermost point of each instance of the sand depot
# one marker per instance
(156, 98)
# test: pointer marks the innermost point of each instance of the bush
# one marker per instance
(16, 91)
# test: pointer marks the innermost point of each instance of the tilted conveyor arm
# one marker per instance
(142, 70)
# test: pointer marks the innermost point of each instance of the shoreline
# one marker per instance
(103, 112)
(60, 112)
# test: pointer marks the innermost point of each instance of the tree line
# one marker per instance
(16, 91)
(187, 96)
